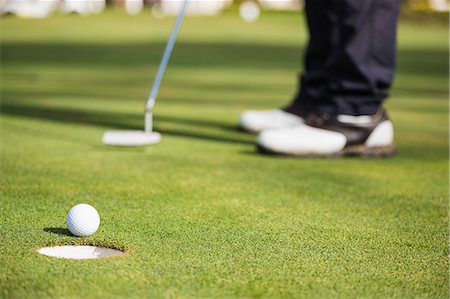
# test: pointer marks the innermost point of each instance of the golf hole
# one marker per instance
(79, 252)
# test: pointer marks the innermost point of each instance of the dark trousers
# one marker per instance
(350, 57)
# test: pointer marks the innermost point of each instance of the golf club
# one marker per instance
(148, 136)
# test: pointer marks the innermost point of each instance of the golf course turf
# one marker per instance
(201, 214)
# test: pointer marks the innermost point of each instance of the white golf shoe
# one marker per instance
(256, 121)
(327, 135)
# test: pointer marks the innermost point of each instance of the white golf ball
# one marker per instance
(83, 220)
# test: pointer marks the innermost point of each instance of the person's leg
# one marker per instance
(322, 26)
(344, 92)
(349, 67)
(323, 29)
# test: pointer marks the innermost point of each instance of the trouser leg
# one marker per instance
(323, 37)
(350, 58)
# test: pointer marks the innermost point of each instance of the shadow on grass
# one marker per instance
(186, 54)
(426, 62)
(58, 231)
(421, 61)
(121, 121)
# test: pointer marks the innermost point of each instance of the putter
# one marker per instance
(148, 136)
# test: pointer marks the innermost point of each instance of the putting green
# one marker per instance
(200, 214)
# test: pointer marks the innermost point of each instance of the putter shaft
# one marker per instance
(162, 67)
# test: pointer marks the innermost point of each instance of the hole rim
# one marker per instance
(121, 252)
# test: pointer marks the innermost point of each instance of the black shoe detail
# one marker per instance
(300, 110)
(356, 134)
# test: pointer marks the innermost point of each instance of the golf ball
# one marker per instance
(83, 220)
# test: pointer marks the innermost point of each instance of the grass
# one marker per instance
(201, 214)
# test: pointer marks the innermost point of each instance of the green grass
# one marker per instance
(201, 214)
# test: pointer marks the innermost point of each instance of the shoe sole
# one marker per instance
(351, 151)
(244, 130)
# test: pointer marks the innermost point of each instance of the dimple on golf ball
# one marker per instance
(83, 220)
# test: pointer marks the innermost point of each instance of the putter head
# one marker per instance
(130, 138)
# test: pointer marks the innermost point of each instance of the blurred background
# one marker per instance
(249, 9)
